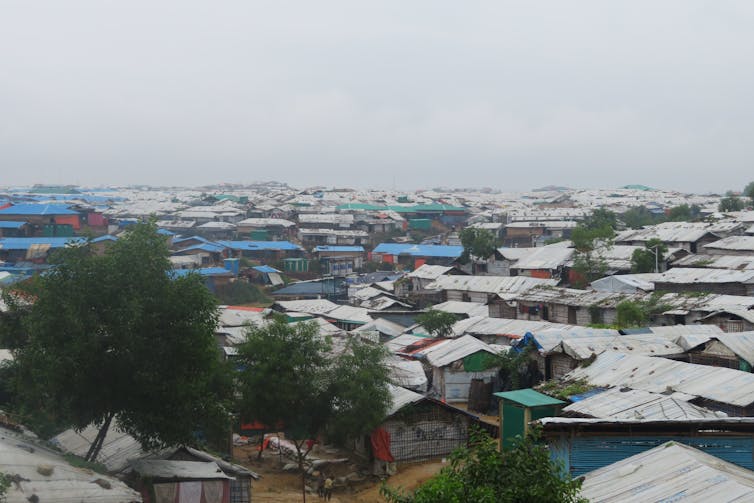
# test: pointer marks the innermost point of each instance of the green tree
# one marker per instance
(639, 216)
(437, 323)
(291, 379)
(645, 261)
(116, 337)
(684, 213)
(480, 473)
(590, 245)
(731, 203)
(601, 218)
(478, 244)
(631, 314)
(749, 192)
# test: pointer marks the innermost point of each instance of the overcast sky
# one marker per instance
(508, 94)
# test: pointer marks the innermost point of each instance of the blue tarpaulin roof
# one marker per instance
(415, 250)
(38, 209)
(324, 248)
(207, 271)
(208, 247)
(26, 243)
(4, 224)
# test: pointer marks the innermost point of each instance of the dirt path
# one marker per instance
(283, 487)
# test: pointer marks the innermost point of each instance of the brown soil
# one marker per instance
(278, 486)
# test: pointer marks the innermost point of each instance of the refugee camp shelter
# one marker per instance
(521, 407)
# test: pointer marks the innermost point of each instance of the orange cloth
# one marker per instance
(380, 440)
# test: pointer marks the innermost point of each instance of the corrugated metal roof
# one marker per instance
(741, 343)
(400, 397)
(503, 327)
(398, 343)
(260, 245)
(733, 243)
(545, 257)
(426, 271)
(667, 473)
(499, 285)
(383, 326)
(170, 469)
(625, 403)
(659, 375)
(693, 275)
(118, 449)
(550, 338)
(668, 232)
(467, 308)
(22, 456)
(738, 262)
(312, 306)
(441, 355)
(408, 373)
(265, 222)
(583, 348)
(350, 313)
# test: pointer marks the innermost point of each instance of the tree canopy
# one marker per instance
(589, 242)
(295, 379)
(645, 261)
(731, 203)
(749, 192)
(482, 474)
(437, 323)
(477, 243)
(116, 337)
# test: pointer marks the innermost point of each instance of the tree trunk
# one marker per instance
(99, 440)
(300, 457)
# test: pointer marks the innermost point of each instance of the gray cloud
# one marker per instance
(505, 94)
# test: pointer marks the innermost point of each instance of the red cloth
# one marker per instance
(381, 445)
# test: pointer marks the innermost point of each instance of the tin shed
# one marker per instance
(519, 408)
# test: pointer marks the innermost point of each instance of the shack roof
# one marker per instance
(118, 448)
(669, 472)
(668, 232)
(181, 470)
(733, 243)
(741, 343)
(440, 355)
(738, 262)
(22, 456)
(626, 403)
(260, 245)
(502, 327)
(529, 398)
(401, 397)
(546, 257)
(313, 306)
(426, 271)
(660, 375)
(499, 285)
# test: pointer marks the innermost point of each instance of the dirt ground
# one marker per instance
(276, 485)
